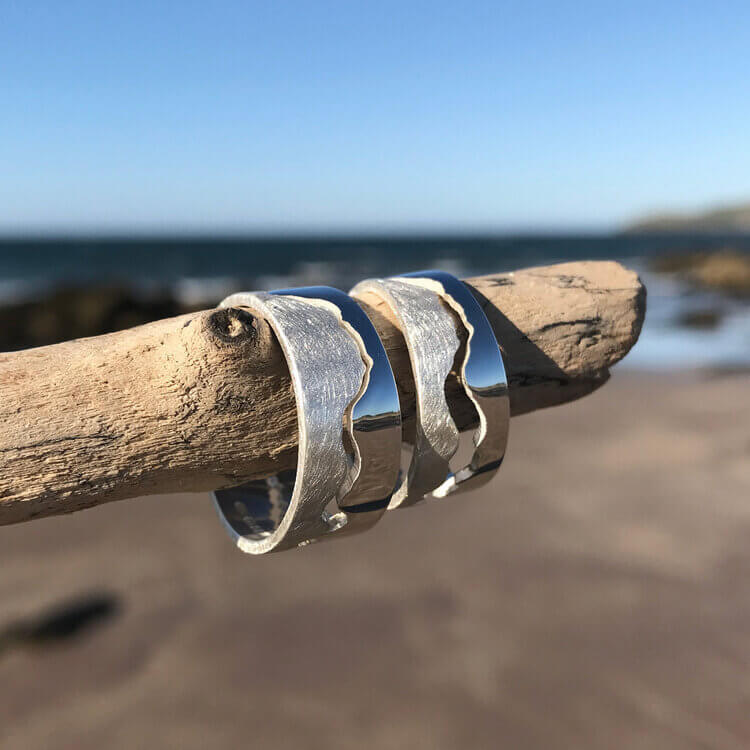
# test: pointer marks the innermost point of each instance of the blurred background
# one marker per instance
(155, 157)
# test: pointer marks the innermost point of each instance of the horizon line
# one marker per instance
(311, 232)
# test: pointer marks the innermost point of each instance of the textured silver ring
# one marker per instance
(324, 375)
(431, 339)
(325, 362)
(374, 422)
(483, 377)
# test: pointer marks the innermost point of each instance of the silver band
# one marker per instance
(483, 378)
(375, 420)
(290, 509)
(430, 333)
(342, 380)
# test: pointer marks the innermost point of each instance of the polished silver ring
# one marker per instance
(342, 380)
(431, 339)
(374, 422)
(484, 380)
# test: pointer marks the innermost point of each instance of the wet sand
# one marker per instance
(596, 595)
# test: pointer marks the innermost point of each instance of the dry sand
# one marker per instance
(597, 595)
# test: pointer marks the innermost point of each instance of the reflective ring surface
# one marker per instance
(483, 377)
(327, 370)
(430, 333)
(375, 419)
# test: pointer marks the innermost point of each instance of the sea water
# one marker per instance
(202, 270)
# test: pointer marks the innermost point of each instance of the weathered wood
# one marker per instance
(204, 400)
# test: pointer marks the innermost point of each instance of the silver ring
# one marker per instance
(432, 342)
(354, 390)
(290, 509)
(483, 378)
(374, 421)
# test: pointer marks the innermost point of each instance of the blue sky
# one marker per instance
(242, 116)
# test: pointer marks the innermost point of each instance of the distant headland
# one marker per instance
(721, 219)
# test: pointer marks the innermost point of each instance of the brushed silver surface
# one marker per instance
(430, 333)
(483, 377)
(374, 422)
(327, 370)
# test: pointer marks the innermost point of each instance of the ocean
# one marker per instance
(202, 270)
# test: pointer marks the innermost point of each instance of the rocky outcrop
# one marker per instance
(722, 219)
(77, 312)
(726, 271)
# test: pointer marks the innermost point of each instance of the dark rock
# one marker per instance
(707, 320)
(76, 312)
(725, 270)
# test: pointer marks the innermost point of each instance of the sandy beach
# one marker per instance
(595, 596)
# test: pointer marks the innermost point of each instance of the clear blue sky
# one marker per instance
(236, 116)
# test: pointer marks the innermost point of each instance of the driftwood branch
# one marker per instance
(204, 400)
